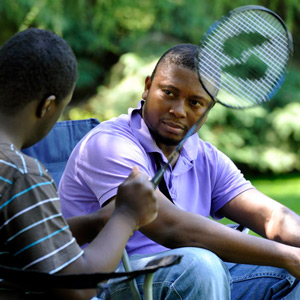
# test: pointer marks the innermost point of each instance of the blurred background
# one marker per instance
(117, 43)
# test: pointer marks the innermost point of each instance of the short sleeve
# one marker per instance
(107, 159)
(228, 181)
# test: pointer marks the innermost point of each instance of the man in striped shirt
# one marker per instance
(37, 78)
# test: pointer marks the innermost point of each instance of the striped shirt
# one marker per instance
(33, 233)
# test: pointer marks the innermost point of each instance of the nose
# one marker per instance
(178, 109)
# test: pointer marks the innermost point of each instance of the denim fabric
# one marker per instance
(202, 275)
(250, 282)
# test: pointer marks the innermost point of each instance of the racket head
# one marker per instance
(244, 56)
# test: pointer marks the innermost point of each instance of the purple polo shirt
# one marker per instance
(202, 181)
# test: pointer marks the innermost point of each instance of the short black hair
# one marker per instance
(183, 55)
(188, 56)
(35, 64)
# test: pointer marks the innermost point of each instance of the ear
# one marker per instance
(148, 82)
(45, 106)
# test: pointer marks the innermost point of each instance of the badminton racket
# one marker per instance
(242, 62)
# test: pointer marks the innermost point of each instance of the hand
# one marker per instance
(136, 199)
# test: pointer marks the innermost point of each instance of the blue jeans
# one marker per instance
(262, 282)
(203, 275)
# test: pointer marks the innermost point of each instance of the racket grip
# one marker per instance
(158, 176)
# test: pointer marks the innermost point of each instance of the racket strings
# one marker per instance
(236, 86)
(270, 27)
(267, 52)
(270, 24)
(213, 78)
(273, 52)
(240, 94)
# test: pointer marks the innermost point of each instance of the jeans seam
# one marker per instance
(175, 291)
(264, 274)
(126, 288)
(172, 286)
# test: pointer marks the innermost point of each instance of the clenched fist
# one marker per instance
(136, 199)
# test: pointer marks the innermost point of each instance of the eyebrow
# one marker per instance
(194, 97)
(169, 86)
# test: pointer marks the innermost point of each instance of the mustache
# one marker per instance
(174, 123)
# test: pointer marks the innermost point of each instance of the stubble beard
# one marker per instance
(157, 136)
(160, 139)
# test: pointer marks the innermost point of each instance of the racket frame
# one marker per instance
(158, 176)
(290, 47)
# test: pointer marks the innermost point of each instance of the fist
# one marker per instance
(137, 199)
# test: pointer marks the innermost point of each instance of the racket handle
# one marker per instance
(158, 176)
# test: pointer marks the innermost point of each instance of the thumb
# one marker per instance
(134, 172)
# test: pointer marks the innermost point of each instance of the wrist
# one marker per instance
(291, 259)
(125, 219)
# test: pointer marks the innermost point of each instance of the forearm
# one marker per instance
(265, 216)
(85, 228)
(175, 228)
(105, 251)
(103, 254)
(233, 246)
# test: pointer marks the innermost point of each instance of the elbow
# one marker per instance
(278, 223)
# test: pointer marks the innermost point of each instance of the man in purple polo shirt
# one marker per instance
(202, 182)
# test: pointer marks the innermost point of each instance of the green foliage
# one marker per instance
(117, 44)
(265, 138)
(123, 90)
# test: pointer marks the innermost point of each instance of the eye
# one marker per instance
(168, 93)
(197, 103)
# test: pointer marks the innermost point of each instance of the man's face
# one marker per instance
(175, 100)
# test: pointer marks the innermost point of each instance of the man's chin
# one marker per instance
(168, 141)
(165, 140)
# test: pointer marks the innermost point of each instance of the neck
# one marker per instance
(14, 129)
(8, 134)
(169, 153)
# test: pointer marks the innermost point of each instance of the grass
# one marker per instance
(285, 190)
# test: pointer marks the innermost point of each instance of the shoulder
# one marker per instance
(118, 127)
(111, 136)
(18, 170)
(15, 162)
(210, 152)
(214, 161)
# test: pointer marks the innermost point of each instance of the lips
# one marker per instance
(173, 127)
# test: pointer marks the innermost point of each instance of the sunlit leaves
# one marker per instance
(118, 42)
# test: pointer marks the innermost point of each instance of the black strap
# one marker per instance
(39, 281)
(162, 184)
